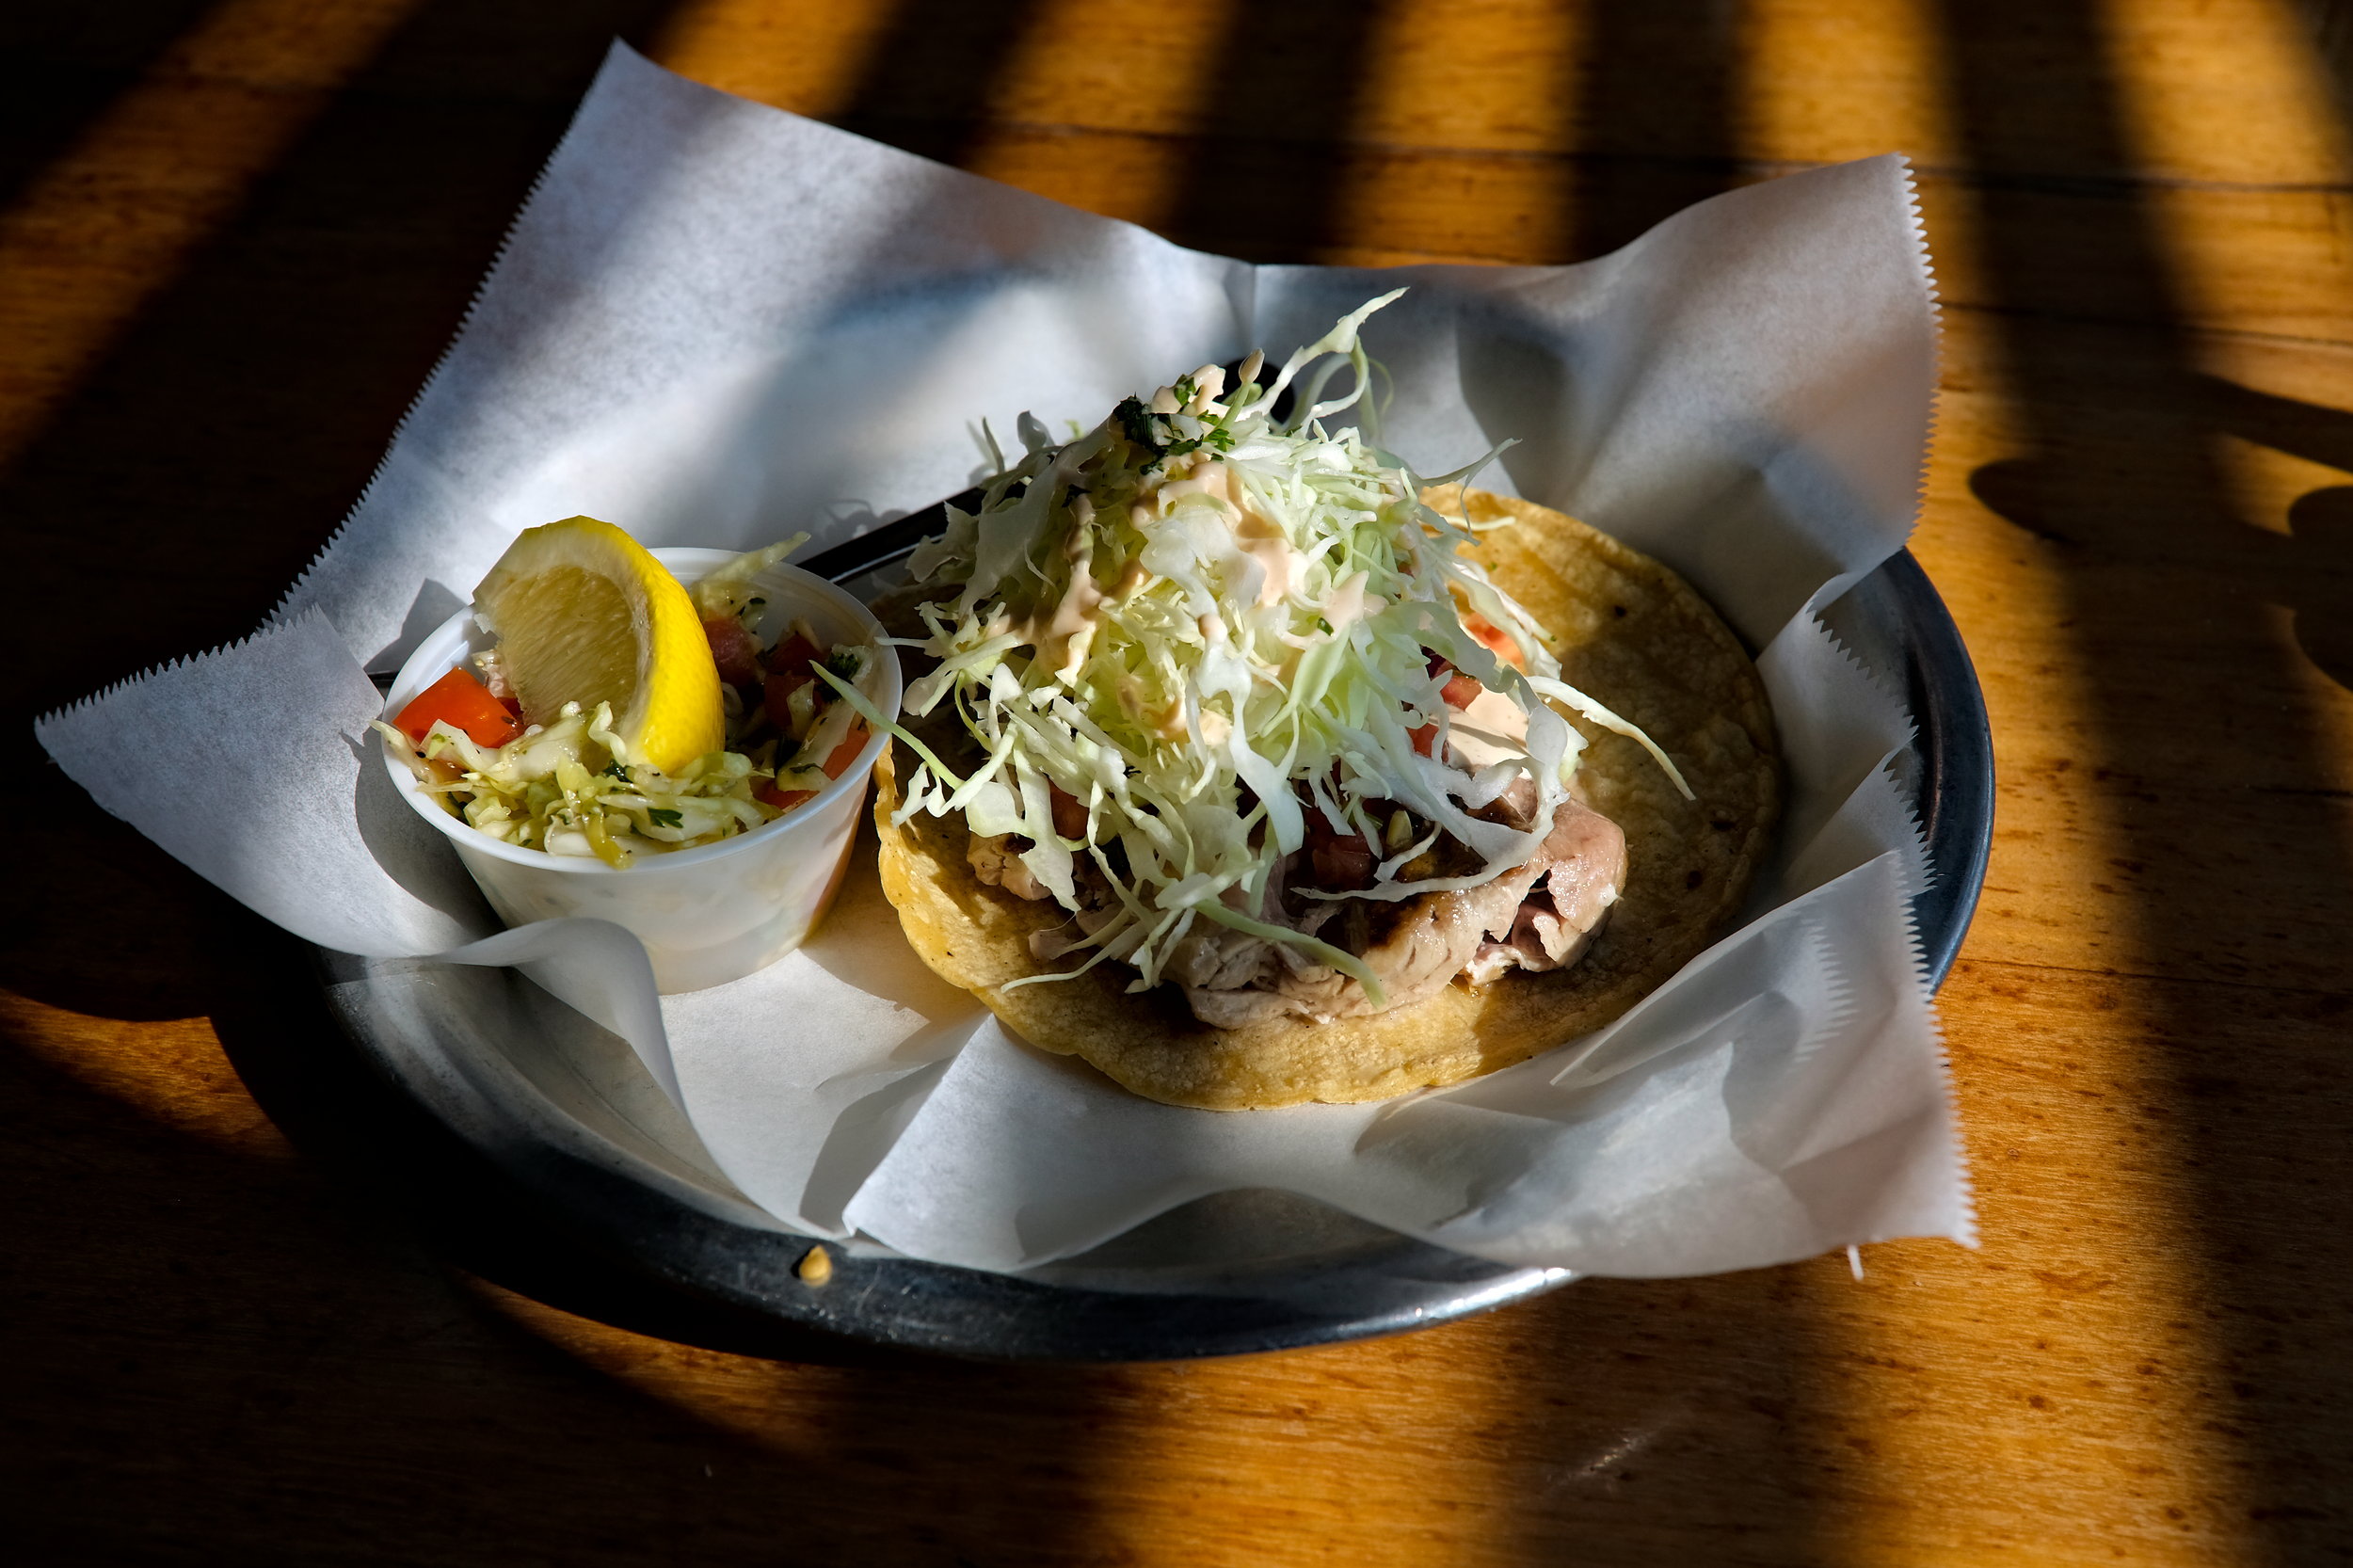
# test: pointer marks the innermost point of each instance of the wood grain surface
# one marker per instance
(241, 1328)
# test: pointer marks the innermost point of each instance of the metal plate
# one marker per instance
(563, 1110)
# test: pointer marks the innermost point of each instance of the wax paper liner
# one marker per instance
(716, 323)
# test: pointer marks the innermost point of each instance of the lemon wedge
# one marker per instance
(584, 615)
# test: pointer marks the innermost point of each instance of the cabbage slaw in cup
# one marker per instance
(707, 914)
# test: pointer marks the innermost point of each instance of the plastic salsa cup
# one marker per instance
(707, 915)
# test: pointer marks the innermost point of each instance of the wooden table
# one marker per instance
(234, 235)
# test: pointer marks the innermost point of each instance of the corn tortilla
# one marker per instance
(1629, 632)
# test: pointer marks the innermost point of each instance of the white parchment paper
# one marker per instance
(716, 323)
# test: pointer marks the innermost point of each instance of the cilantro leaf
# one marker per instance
(1137, 421)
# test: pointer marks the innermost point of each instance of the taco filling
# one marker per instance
(1222, 689)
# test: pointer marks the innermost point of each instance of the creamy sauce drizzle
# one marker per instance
(1257, 541)
(1350, 603)
(1493, 713)
(1063, 636)
(1259, 547)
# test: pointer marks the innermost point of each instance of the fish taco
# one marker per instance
(1253, 769)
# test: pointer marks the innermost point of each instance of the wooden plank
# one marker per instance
(82, 247)
(226, 278)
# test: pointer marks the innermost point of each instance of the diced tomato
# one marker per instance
(794, 654)
(733, 650)
(789, 664)
(1070, 817)
(766, 793)
(846, 753)
(460, 699)
(1461, 690)
(1342, 861)
(1495, 640)
(1342, 864)
(777, 695)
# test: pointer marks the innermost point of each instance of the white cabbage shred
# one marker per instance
(569, 787)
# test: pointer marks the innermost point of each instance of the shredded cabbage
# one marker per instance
(568, 788)
(729, 590)
(1202, 625)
